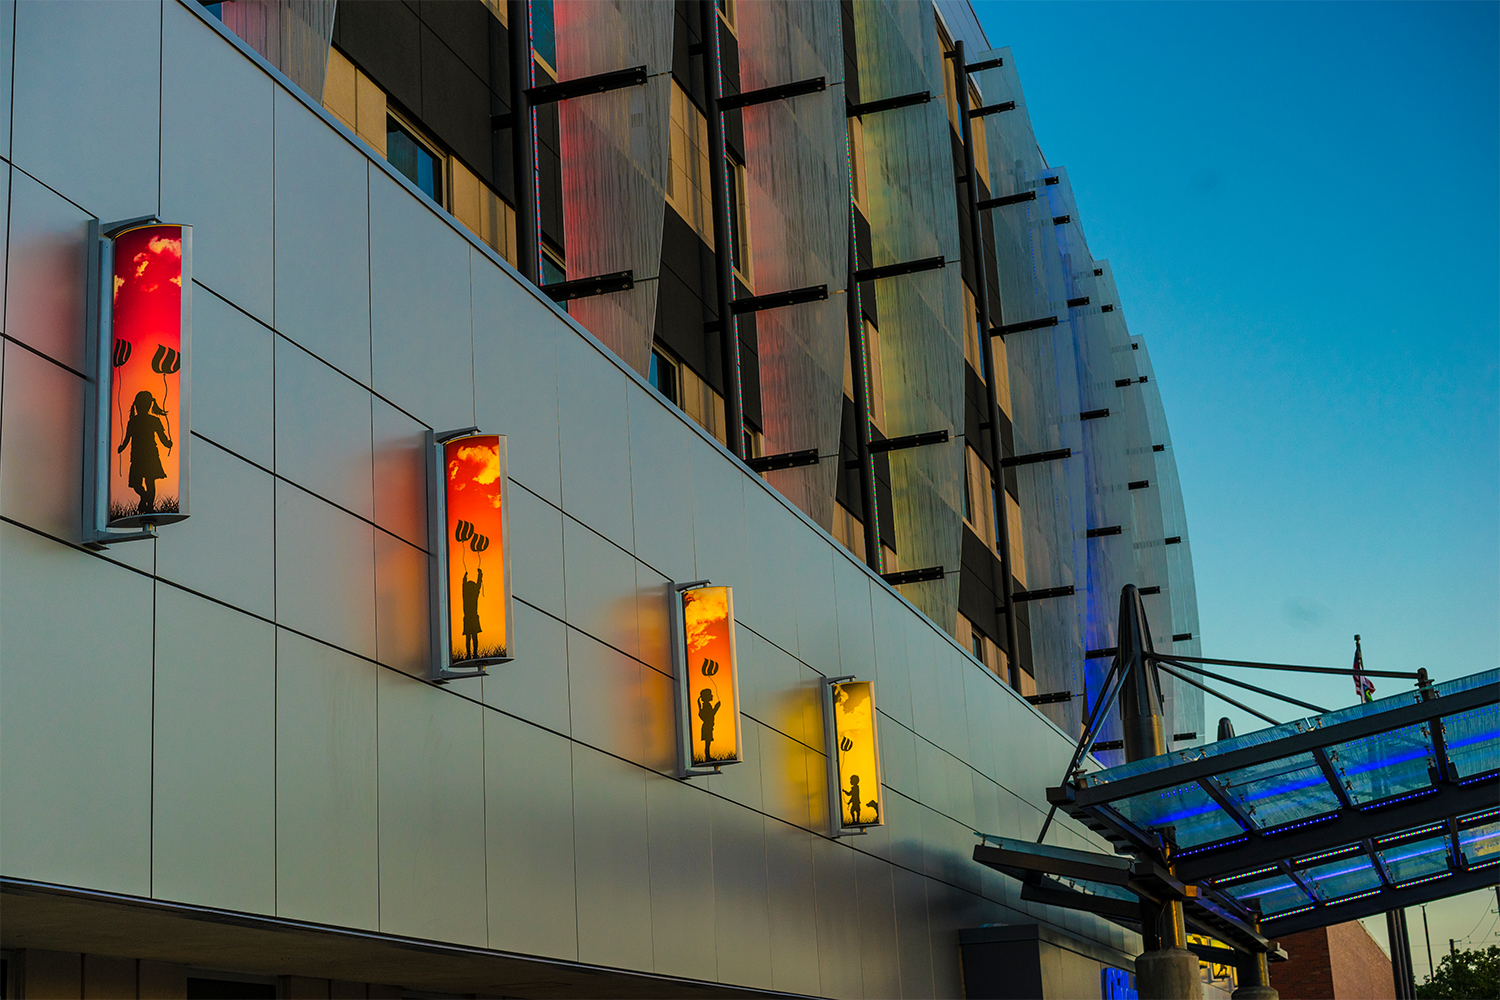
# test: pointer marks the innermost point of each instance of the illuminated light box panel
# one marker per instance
(469, 536)
(141, 332)
(855, 794)
(708, 681)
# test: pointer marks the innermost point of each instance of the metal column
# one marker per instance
(1166, 969)
(523, 140)
(718, 152)
(982, 307)
(1400, 943)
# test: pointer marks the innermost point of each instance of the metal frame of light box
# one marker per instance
(437, 561)
(682, 692)
(99, 333)
(835, 780)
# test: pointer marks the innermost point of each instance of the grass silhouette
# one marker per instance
(485, 653)
(164, 505)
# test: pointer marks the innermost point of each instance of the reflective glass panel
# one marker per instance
(1196, 817)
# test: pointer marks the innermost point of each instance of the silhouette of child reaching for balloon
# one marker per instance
(141, 432)
(707, 709)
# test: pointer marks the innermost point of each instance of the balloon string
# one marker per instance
(166, 392)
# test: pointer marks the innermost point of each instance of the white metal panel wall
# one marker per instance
(244, 685)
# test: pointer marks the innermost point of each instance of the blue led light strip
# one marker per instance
(1350, 899)
(1419, 881)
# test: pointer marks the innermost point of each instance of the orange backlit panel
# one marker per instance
(712, 691)
(145, 377)
(475, 484)
(857, 754)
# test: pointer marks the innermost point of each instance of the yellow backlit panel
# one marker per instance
(712, 702)
(857, 754)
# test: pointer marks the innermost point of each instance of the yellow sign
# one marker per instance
(855, 755)
(709, 689)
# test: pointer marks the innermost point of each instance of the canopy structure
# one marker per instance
(1334, 817)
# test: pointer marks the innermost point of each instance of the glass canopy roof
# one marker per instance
(1389, 803)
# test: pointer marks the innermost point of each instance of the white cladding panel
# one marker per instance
(357, 796)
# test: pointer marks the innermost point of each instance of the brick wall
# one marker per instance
(1308, 973)
(1341, 962)
(1360, 968)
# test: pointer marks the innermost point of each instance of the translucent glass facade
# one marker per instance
(1080, 381)
(913, 216)
(614, 164)
(797, 204)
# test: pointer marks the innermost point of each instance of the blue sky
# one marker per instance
(1299, 201)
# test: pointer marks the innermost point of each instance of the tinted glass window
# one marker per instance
(414, 160)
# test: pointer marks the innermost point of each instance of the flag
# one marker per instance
(1364, 688)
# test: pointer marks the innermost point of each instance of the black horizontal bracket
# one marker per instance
(1006, 199)
(1099, 654)
(786, 460)
(780, 92)
(913, 576)
(1139, 484)
(1042, 595)
(1082, 300)
(1049, 181)
(1149, 591)
(1051, 698)
(909, 441)
(582, 288)
(1093, 414)
(896, 270)
(1158, 447)
(1173, 540)
(1179, 737)
(984, 64)
(776, 300)
(1033, 459)
(887, 104)
(1030, 324)
(599, 83)
(1182, 637)
(1121, 383)
(1113, 529)
(993, 109)
(1107, 308)
(1061, 220)
(1108, 745)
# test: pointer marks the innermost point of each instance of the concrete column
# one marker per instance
(1255, 979)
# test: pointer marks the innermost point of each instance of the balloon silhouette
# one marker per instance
(118, 356)
(710, 669)
(464, 531)
(479, 543)
(846, 744)
(166, 362)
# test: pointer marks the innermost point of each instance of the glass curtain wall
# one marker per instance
(1079, 385)
(797, 209)
(908, 157)
(615, 162)
(293, 35)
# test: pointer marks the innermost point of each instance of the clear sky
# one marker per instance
(1299, 201)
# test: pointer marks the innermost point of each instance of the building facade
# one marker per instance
(224, 756)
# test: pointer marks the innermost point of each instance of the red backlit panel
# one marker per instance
(145, 378)
(474, 478)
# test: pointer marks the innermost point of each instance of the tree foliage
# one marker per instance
(1467, 974)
